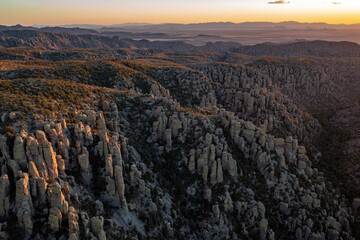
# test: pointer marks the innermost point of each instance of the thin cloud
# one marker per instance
(336, 3)
(279, 2)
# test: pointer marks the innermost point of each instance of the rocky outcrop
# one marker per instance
(50, 159)
(19, 152)
(188, 150)
(55, 218)
(83, 160)
(73, 218)
(23, 201)
(57, 198)
(4, 149)
(4, 195)
(97, 224)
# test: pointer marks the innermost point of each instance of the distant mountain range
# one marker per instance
(200, 33)
(179, 26)
(51, 40)
(54, 40)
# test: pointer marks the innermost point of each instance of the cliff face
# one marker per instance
(163, 146)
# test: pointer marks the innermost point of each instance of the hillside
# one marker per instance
(303, 49)
(125, 139)
(64, 40)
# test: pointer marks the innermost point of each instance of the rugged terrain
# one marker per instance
(147, 141)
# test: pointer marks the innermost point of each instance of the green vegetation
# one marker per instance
(331, 142)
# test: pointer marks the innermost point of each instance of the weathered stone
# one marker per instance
(135, 174)
(168, 140)
(355, 204)
(111, 187)
(261, 208)
(119, 182)
(332, 223)
(317, 203)
(83, 160)
(216, 211)
(153, 207)
(192, 160)
(4, 195)
(207, 194)
(73, 223)
(263, 228)
(248, 135)
(33, 172)
(23, 201)
(124, 150)
(109, 170)
(88, 135)
(115, 152)
(50, 159)
(250, 126)
(40, 136)
(205, 171)
(97, 224)
(279, 147)
(228, 203)
(4, 149)
(41, 190)
(55, 218)
(219, 172)
(91, 117)
(56, 197)
(14, 167)
(19, 152)
(301, 165)
(61, 164)
(213, 172)
(99, 207)
(333, 234)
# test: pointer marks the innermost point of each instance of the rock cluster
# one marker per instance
(192, 151)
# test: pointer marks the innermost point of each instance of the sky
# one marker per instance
(108, 12)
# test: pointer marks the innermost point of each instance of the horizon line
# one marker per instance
(178, 23)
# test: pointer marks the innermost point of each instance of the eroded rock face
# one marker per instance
(24, 205)
(109, 166)
(73, 218)
(19, 152)
(97, 224)
(119, 182)
(4, 195)
(4, 149)
(57, 198)
(161, 161)
(55, 218)
(83, 160)
(50, 159)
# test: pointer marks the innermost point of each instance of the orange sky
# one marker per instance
(106, 12)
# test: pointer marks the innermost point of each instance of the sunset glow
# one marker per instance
(108, 12)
